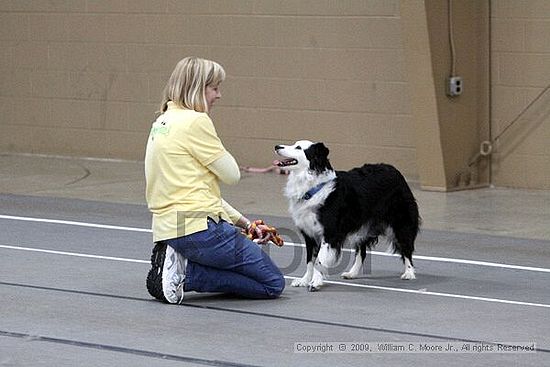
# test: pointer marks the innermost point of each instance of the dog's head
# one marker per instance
(304, 155)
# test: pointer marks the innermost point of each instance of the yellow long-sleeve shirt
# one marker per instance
(181, 190)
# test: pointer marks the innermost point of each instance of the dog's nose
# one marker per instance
(278, 147)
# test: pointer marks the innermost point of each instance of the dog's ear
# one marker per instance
(323, 150)
(317, 154)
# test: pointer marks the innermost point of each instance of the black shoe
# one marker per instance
(154, 278)
(165, 280)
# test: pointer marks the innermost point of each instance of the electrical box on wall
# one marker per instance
(454, 86)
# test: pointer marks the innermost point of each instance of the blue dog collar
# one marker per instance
(314, 190)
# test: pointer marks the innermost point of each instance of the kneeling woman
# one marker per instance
(198, 243)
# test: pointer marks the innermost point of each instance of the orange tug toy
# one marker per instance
(265, 230)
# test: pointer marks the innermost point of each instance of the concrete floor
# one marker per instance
(75, 244)
(494, 211)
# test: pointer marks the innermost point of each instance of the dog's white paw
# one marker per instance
(301, 282)
(314, 286)
(408, 274)
(326, 256)
(409, 270)
(349, 275)
(316, 282)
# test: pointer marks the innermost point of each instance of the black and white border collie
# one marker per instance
(336, 209)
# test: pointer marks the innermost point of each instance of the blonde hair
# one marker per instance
(187, 84)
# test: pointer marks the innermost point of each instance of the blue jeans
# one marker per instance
(221, 259)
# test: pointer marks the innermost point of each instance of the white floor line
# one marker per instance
(376, 253)
(448, 260)
(438, 294)
(355, 285)
(53, 252)
(72, 223)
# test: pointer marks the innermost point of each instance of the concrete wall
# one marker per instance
(520, 72)
(448, 129)
(84, 77)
